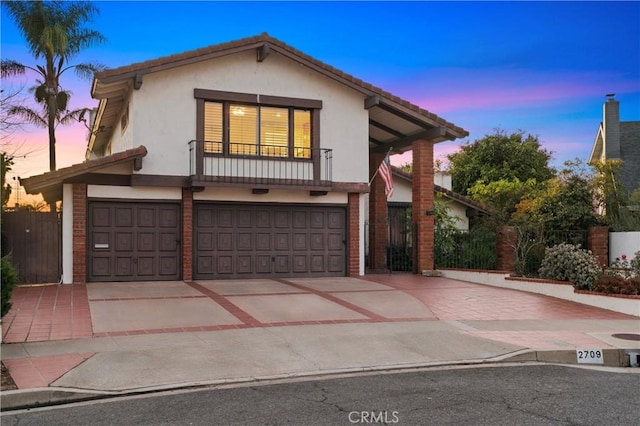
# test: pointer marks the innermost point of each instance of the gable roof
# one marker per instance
(465, 201)
(394, 122)
(50, 183)
(629, 152)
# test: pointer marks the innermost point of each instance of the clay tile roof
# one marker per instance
(205, 53)
(39, 183)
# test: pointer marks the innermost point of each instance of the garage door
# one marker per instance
(264, 241)
(133, 241)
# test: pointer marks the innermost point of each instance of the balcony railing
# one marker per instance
(234, 163)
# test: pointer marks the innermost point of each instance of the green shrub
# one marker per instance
(9, 280)
(566, 262)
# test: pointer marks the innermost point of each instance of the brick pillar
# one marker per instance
(506, 247)
(599, 243)
(353, 235)
(187, 234)
(79, 233)
(378, 221)
(422, 205)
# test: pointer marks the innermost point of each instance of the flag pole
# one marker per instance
(376, 173)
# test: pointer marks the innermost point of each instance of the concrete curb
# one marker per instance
(611, 357)
(43, 397)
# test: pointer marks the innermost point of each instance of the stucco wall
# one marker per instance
(627, 243)
(163, 111)
(273, 196)
(121, 141)
(133, 193)
(402, 194)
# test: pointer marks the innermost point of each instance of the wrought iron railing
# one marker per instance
(226, 162)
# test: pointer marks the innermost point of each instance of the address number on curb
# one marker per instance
(590, 356)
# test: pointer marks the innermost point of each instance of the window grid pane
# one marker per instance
(213, 127)
(243, 129)
(274, 132)
(302, 134)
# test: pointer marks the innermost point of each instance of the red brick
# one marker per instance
(187, 234)
(378, 217)
(599, 243)
(79, 233)
(422, 204)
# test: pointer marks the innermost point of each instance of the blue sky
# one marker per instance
(540, 67)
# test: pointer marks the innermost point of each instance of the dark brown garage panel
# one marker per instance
(133, 241)
(267, 241)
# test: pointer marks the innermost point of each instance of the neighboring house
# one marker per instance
(247, 159)
(399, 220)
(618, 140)
(462, 208)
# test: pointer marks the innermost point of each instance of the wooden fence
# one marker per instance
(33, 240)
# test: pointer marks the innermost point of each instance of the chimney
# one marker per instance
(611, 128)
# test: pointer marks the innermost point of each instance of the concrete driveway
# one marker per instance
(123, 336)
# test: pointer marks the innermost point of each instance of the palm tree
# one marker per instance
(54, 32)
(41, 119)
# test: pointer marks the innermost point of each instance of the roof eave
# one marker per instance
(50, 182)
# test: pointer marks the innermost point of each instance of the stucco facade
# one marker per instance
(149, 203)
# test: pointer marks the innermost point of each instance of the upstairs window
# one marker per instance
(238, 128)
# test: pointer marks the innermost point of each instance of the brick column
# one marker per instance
(422, 205)
(506, 247)
(353, 235)
(599, 243)
(79, 233)
(378, 226)
(187, 234)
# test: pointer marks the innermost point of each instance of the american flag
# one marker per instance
(385, 172)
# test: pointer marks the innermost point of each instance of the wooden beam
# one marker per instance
(405, 116)
(137, 82)
(375, 141)
(137, 164)
(262, 52)
(387, 129)
(436, 134)
(160, 180)
(371, 101)
(101, 179)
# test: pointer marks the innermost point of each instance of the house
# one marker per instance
(247, 159)
(618, 140)
(462, 208)
(399, 215)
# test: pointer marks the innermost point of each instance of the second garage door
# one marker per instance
(266, 241)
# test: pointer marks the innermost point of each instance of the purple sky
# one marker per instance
(540, 67)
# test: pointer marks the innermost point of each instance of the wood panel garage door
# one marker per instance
(263, 241)
(133, 241)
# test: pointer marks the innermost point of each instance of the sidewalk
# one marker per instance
(147, 336)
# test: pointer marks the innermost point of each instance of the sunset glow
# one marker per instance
(540, 67)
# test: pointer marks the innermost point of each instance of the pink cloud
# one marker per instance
(446, 90)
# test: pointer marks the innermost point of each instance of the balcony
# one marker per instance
(263, 166)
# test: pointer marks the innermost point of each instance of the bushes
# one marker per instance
(9, 280)
(616, 284)
(566, 262)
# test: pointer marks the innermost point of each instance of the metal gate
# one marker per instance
(400, 248)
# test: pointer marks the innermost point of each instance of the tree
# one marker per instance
(566, 204)
(54, 33)
(498, 157)
(621, 209)
(503, 195)
(6, 161)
